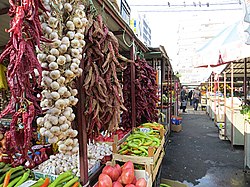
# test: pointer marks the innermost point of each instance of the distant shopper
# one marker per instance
(184, 97)
(196, 98)
(190, 96)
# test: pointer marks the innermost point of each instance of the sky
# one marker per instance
(165, 21)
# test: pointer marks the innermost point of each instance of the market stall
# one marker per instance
(167, 85)
(85, 89)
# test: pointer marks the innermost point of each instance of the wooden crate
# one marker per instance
(151, 162)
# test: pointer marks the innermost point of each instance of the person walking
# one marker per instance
(184, 98)
(196, 98)
(190, 95)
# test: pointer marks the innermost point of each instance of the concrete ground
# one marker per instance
(197, 157)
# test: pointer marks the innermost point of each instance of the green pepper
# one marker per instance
(38, 183)
(71, 182)
(143, 150)
(59, 178)
(137, 141)
(2, 178)
(66, 179)
(17, 174)
(23, 179)
(14, 181)
(164, 185)
(123, 149)
(2, 164)
(136, 151)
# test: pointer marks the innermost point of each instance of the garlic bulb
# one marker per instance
(53, 66)
(55, 95)
(61, 80)
(68, 57)
(68, 7)
(56, 43)
(69, 73)
(75, 52)
(55, 74)
(51, 58)
(65, 40)
(63, 48)
(70, 35)
(62, 119)
(70, 25)
(77, 22)
(54, 85)
(54, 52)
(75, 43)
(53, 36)
(53, 22)
(61, 60)
(60, 104)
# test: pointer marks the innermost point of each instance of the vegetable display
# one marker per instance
(24, 74)
(117, 176)
(65, 26)
(13, 177)
(138, 142)
(61, 163)
(104, 97)
(145, 93)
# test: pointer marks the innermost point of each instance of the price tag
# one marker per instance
(145, 130)
(28, 183)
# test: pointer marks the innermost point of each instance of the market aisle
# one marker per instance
(197, 157)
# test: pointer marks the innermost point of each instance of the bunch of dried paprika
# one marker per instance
(23, 75)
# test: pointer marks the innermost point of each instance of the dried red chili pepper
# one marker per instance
(25, 33)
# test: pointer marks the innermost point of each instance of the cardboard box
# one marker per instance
(176, 128)
(173, 183)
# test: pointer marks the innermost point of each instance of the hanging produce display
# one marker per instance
(65, 26)
(145, 94)
(104, 97)
(24, 74)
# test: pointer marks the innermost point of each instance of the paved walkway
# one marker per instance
(197, 157)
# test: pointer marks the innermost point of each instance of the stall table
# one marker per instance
(235, 125)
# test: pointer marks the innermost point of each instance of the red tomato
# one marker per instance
(104, 180)
(117, 184)
(141, 183)
(127, 176)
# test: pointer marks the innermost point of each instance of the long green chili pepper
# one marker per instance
(23, 179)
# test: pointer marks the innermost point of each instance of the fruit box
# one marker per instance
(139, 174)
(151, 162)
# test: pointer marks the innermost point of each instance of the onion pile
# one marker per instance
(65, 26)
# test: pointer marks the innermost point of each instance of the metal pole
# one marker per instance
(82, 132)
(232, 104)
(225, 100)
(133, 111)
(162, 77)
(245, 81)
(170, 93)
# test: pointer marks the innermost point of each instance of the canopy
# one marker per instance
(227, 46)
